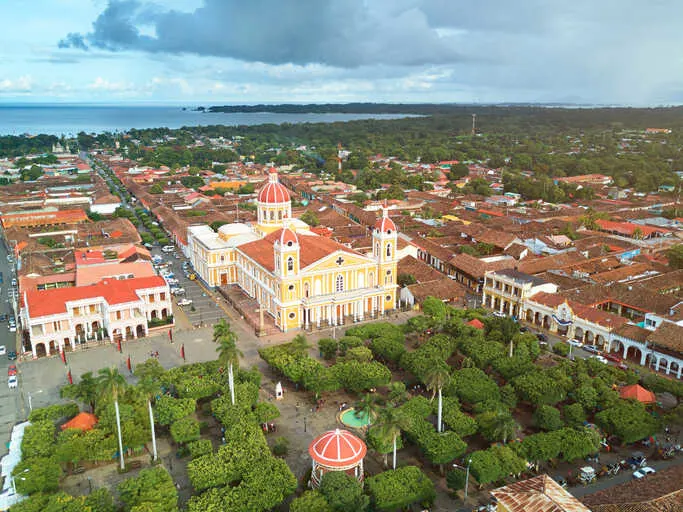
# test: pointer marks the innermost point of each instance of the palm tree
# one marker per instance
(300, 344)
(367, 406)
(435, 381)
(111, 383)
(221, 329)
(229, 355)
(391, 425)
(85, 391)
(149, 389)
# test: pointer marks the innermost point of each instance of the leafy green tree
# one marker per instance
(37, 474)
(435, 381)
(85, 391)
(185, 430)
(539, 447)
(675, 256)
(539, 388)
(310, 218)
(497, 425)
(404, 280)
(399, 489)
(574, 415)
(472, 385)
(168, 410)
(343, 492)
(629, 420)
(38, 440)
(200, 447)
(547, 417)
(368, 406)
(328, 347)
(434, 308)
(151, 488)
(310, 501)
(156, 189)
(110, 383)
(390, 425)
(455, 480)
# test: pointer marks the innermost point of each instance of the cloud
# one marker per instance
(21, 85)
(340, 33)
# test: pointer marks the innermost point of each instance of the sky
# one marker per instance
(208, 52)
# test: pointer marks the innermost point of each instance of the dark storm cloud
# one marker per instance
(341, 33)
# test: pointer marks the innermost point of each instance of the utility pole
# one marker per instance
(474, 124)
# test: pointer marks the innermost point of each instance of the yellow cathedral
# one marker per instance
(299, 278)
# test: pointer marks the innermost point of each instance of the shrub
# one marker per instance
(547, 417)
(399, 489)
(38, 440)
(199, 447)
(347, 342)
(168, 410)
(45, 473)
(328, 348)
(387, 348)
(456, 479)
(561, 349)
(280, 446)
(53, 412)
(343, 492)
(185, 430)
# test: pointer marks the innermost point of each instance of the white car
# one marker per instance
(602, 359)
(643, 472)
(168, 248)
(575, 343)
(177, 291)
(184, 302)
(3, 350)
(12, 328)
(12, 382)
(171, 281)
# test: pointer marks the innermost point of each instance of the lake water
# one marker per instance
(71, 119)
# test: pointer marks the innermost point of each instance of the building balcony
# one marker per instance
(337, 297)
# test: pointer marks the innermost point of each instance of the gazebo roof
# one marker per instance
(476, 323)
(82, 421)
(638, 392)
(337, 449)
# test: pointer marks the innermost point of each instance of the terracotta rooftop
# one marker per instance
(312, 248)
(114, 291)
(443, 289)
(668, 335)
(476, 267)
(538, 494)
(633, 332)
(554, 262)
(660, 492)
(418, 269)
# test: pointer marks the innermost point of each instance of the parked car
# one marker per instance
(12, 328)
(3, 350)
(12, 370)
(541, 337)
(643, 472)
(14, 282)
(575, 343)
(178, 291)
(12, 382)
(148, 245)
(168, 248)
(4, 317)
(591, 348)
(184, 302)
(637, 460)
(622, 366)
(12, 355)
(499, 314)
(599, 358)
(612, 357)
(172, 281)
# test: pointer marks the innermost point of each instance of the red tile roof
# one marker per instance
(627, 228)
(114, 291)
(638, 392)
(312, 248)
(538, 494)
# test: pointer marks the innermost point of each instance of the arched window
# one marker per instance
(376, 249)
(279, 215)
(388, 250)
(290, 264)
(272, 215)
(340, 283)
(371, 278)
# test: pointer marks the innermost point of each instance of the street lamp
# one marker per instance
(467, 476)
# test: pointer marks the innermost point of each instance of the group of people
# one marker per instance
(154, 353)
(268, 427)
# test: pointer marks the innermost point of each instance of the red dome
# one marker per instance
(337, 449)
(385, 224)
(274, 191)
(288, 236)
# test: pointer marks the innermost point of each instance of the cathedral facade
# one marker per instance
(299, 278)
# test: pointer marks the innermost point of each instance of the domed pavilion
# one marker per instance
(337, 450)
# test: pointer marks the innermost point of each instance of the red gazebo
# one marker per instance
(476, 323)
(82, 421)
(638, 392)
(337, 450)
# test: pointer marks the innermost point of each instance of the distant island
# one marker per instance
(336, 108)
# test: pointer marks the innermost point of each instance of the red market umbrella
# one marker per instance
(170, 335)
(118, 346)
(62, 354)
(182, 351)
(69, 377)
(130, 368)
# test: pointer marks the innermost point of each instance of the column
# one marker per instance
(642, 357)
(500, 309)
(33, 350)
(680, 371)
(625, 350)
(306, 317)
(483, 299)
(318, 314)
(362, 309)
(333, 315)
